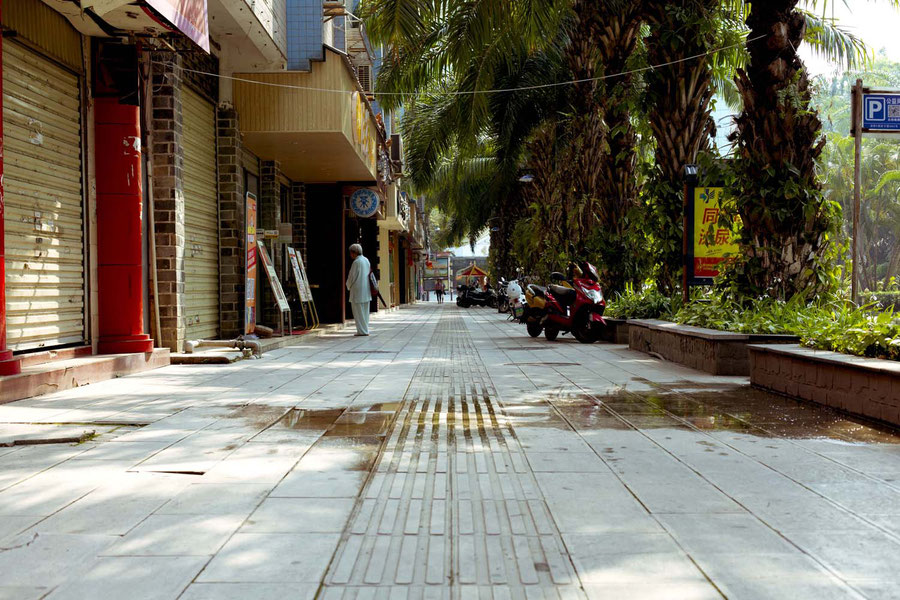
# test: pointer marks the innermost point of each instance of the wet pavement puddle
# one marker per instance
(730, 409)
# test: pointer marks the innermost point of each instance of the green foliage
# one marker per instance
(640, 303)
(827, 325)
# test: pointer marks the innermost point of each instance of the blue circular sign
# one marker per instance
(364, 202)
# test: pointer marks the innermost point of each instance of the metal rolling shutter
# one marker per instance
(201, 219)
(44, 218)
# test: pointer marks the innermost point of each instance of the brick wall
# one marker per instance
(168, 196)
(866, 387)
(232, 223)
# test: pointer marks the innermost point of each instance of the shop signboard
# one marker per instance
(250, 280)
(364, 202)
(299, 275)
(710, 242)
(188, 16)
(280, 297)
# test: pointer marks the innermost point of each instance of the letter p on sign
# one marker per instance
(875, 109)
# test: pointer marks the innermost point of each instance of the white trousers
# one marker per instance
(361, 316)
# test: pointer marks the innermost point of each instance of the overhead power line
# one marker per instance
(488, 91)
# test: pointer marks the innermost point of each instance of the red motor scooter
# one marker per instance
(575, 305)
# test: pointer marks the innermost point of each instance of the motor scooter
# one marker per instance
(502, 296)
(469, 296)
(568, 305)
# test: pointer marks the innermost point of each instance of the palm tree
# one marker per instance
(788, 223)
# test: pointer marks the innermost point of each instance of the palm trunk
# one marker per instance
(679, 112)
(785, 216)
(602, 152)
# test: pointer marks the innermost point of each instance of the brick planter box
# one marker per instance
(868, 387)
(616, 331)
(709, 350)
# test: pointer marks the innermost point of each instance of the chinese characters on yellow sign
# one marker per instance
(713, 243)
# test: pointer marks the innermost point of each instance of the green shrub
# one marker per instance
(648, 303)
(827, 325)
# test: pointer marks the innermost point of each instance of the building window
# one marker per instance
(286, 208)
(364, 74)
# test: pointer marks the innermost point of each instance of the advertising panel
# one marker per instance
(711, 243)
(280, 297)
(189, 16)
(250, 280)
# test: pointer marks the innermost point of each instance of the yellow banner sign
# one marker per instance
(713, 242)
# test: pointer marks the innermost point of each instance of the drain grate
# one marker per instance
(543, 364)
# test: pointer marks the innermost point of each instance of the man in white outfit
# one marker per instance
(358, 286)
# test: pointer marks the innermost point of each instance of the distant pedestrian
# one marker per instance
(439, 291)
(358, 286)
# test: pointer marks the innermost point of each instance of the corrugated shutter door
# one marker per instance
(43, 183)
(201, 219)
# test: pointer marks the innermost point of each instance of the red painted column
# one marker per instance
(119, 228)
(8, 364)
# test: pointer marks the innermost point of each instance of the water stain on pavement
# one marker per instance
(302, 419)
(361, 424)
(733, 408)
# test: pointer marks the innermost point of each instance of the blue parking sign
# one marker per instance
(881, 111)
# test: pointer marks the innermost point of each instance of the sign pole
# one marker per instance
(857, 150)
(686, 260)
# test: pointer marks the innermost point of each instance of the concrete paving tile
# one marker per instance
(28, 461)
(246, 591)
(876, 590)
(300, 515)
(803, 512)
(827, 588)
(115, 507)
(865, 497)
(129, 452)
(11, 526)
(177, 535)
(707, 533)
(662, 590)
(737, 565)
(272, 558)
(216, 499)
(135, 578)
(196, 453)
(861, 554)
(13, 592)
(573, 462)
(257, 463)
(47, 560)
(301, 483)
(601, 544)
(636, 568)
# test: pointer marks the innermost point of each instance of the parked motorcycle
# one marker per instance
(568, 305)
(502, 296)
(469, 296)
(516, 297)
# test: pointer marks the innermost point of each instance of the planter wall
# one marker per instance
(615, 332)
(868, 387)
(709, 350)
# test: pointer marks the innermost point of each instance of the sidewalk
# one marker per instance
(446, 456)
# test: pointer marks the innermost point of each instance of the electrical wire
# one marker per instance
(488, 91)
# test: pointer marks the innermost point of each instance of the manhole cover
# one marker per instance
(544, 364)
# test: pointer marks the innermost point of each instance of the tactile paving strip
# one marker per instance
(452, 509)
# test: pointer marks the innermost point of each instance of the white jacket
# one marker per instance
(358, 280)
